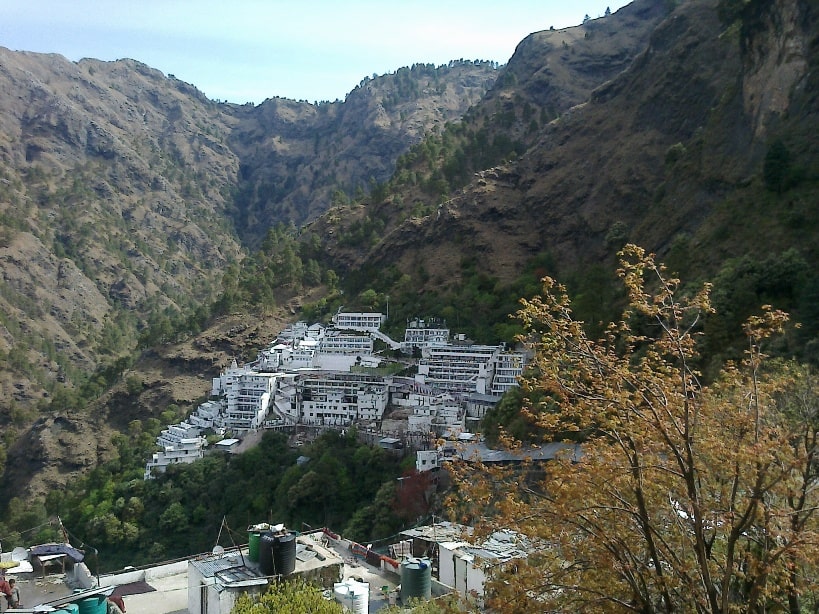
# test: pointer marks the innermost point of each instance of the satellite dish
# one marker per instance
(19, 554)
(218, 550)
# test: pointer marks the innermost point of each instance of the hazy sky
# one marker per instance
(249, 50)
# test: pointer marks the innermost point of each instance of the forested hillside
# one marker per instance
(127, 198)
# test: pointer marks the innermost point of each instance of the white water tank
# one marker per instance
(353, 595)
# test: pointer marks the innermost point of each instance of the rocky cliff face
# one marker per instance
(777, 50)
(536, 107)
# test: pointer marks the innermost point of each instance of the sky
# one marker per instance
(249, 50)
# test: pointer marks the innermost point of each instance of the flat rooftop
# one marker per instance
(163, 589)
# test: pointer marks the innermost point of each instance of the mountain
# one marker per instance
(674, 153)
(298, 158)
(125, 195)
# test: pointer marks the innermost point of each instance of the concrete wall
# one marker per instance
(82, 576)
(146, 575)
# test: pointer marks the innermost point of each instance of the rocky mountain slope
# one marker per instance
(297, 159)
(124, 194)
(669, 154)
(113, 203)
(124, 197)
(550, 75)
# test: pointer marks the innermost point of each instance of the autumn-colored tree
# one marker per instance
(412, 499)
(440, 605)
(687, 497)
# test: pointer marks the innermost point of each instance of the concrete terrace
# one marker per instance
(164, 588)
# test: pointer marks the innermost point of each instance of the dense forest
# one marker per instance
(125, 520)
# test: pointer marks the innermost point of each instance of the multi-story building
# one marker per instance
(174, 433)
(459, 368)
(185, 451)
(207, 416)
(409, 392)
(341, 398)
(315, 331)
(294, 332)
(420, 334)
(301, 356)
(359, 321)
(247, 394)
(338, 342)
(508, 367)
(477, 406)
(448, 420)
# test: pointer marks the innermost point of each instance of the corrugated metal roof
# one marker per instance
(210, 566)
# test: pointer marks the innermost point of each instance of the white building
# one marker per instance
(270, 358)
(285, 402)
(215, 581)
(427, 460)
(341, 398)
(207, 416)
(508, 367)
(174, 433)
(465, 566)
(477, 406)
(459, 368)
(294, 332)
(315, 331)
(424, 333)
(247, 394)
(359, 321)
(448, 420)
(408, 392)
(338, 342)
(300, 356)
(186, 451)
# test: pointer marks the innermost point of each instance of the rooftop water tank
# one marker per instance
(284, 554)
(416, 579)
(353, 595)
(253, 539)
(93, 605)
(266, 542)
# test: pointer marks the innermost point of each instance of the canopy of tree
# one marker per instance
(133, 521)
(688, 497)
(296, 597)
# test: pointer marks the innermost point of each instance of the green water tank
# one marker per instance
(92, 605)
(416, 579)
(253, 538)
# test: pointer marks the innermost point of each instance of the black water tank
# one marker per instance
(284, 554)
(266, 542)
